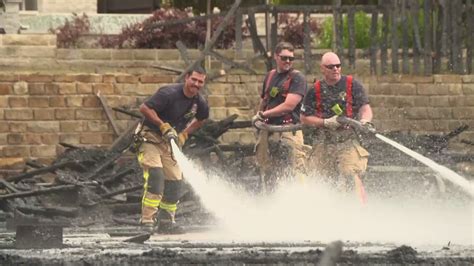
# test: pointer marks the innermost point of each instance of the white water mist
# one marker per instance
(314, 212)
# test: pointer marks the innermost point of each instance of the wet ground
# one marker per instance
(107, 246)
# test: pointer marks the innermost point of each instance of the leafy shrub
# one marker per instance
(292, 29)
(363, 23)
(192, 34)
(362, 31)
(67, 35)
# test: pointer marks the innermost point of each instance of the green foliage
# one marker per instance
(362, 31)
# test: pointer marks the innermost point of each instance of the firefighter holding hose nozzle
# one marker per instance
(337, 153)
(281, 154)
(172, 113)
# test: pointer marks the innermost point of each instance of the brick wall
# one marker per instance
(37, 111)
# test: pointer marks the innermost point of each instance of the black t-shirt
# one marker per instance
(173, 107)
(297, 86)
(332, 95)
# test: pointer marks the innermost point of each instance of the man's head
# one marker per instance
(331, 68)
(194, 81)
(284, 56)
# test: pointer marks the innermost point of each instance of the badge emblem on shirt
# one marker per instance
(274, 91)
(192, 112)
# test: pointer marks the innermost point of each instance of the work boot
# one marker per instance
(149, 210)
(148, 220)
(167, 224)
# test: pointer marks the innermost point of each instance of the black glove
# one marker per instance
(168, 133)
(258, 117)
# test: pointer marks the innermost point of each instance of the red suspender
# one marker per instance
(349, 96)
(267, 84)
(317, 94)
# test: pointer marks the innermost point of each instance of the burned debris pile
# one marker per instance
(91, 186)
(95, 186)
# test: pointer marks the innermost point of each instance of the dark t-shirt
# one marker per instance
(173, 107)
(297, 86)
(332, 95)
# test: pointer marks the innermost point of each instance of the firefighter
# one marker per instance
(281, 97)
(337, 152)
(172, 113)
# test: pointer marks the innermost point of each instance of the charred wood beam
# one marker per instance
(125, 207)
(217, 33)
(124, 140)
(130, 113)
(456, 132)
(223, 72)
(245, 149)
(465, 141)
(241, 124)
(170, 69)
(67, 145)
(34, 164)
(238, 32)
(106, 163)
(183, 50)
(256, 42)
(230, 62)
(43, 170)
(38, 192)
(8, 186)
(117, 176)
(50, 211)
(125, 190)
(105, 106)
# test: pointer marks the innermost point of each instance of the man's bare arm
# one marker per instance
(150, 115)
(290, 103)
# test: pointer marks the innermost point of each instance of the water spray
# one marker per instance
(443, 171)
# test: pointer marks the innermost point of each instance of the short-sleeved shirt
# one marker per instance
(173, 107)
(297, 86)
(332, 95)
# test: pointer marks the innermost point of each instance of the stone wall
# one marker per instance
(37, 111)
(38, 52)
(48, 95)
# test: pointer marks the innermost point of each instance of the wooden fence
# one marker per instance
(441, 43)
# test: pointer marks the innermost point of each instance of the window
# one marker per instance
(29, 5)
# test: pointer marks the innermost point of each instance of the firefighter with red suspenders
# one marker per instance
(337, 153)
(281, 97)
